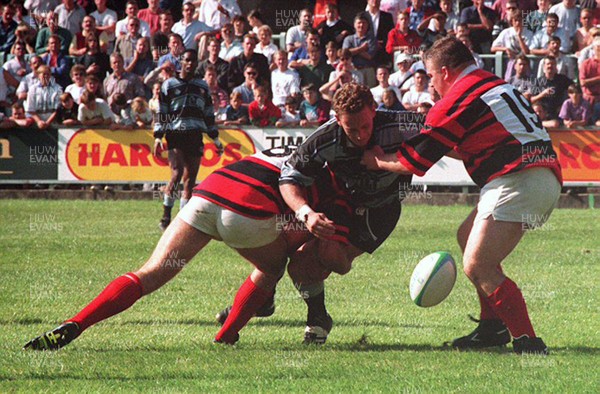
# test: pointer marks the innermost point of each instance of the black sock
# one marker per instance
(316, 306)
(167, 212)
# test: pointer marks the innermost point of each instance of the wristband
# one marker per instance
(303, 212)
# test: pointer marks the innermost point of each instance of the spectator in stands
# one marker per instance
(57, 61)
(383, 75)
(265, 46)
(568, 16)
(41, 44)
(432, 28)
(541, 112)
(160, 39)
(121, 82)
(94, 84)
(589, 77)
(316, 72)
(333, 28)
(153, 102)
(16, 68)
(536, 20)
(564, 64)
(522, 80)
(210, 76)
(220, 65)
(401, 78)
(575, 111)
(27, 35)
(236, 113)
(465, 39)
(424, 107)
(94, 111)
(77, 88)
(160, 74)
(381, 23)
(66, 113)
(583, 36)
(176, 48)
(480, 21)
(262, 111)
(513, 41)
(106, 22)
(331, 53)
(78, 44)
(138, 114)
(390, 102)
(8, 28)
(417, 93)
(141, 64)
(120, 107)
(131, 11)
(216, 13)
(230, 47)
(296, 35)
(125, 45)
(552, 88)
(95, 61)
(190, 29)
(151, 15)
(70, 16)
(246, 89)
(284, 82)
(539, 45)
(290, 117)
(503, 10)
(239, 27)
(255, 20)
(417, 12)
(345, 64)
(451, 17)
(363, 47)
(22, 16)
(314, 111)
(235, 74)
(43, 98)
(300, 56)
(402, 38)
(30, 79)
(328, 90)
(17, 118)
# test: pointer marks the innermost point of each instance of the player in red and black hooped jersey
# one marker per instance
(508, 153)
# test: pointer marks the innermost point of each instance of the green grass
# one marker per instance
(55, 256)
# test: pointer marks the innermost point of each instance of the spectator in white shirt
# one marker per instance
(513, 41)
(382, 76)
(284, 82)
(131, 10)
(418, 93)
(296, 35)
(77, 88)
(230, 47)
(568, 16)
(70, 16)
(106, 22)
(190, 29)
(216, 13)
(265, 46)
(43, 99)
(94, 111)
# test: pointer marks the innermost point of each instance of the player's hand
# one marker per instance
(319, 225)
(158, 147)
(370, 157)
(219, 146)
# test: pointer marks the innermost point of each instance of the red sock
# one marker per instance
(247, 301)
(508, 303)
(487, 312)
(119, 295)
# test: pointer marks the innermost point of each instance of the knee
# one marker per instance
(304, 268)
(334, 258)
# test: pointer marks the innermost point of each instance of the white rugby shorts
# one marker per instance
(237, 231)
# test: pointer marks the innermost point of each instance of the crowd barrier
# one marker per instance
(72, 155)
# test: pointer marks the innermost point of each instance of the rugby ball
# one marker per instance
(433, 279)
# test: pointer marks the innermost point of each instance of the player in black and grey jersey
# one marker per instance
(185, 112)
(374, 196)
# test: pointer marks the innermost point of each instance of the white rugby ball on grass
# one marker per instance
(433, 279)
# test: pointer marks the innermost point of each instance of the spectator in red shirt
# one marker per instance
(402, 38)
(151, 15)
(262, 111)
(589, 77)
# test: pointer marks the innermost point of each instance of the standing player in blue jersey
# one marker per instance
(184, 114)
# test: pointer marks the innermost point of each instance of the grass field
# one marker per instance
(57, 255)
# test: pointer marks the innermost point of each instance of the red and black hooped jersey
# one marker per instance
(250, 187)
(489, 123)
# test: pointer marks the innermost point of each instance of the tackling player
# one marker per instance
(508, 153)
(185, 112)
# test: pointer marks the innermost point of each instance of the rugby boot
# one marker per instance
(489, 333)
(526, 345)
(164, 223)
(220, 341)
(317, 329)
(55, 339)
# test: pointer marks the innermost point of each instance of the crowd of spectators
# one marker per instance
(89, 62)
